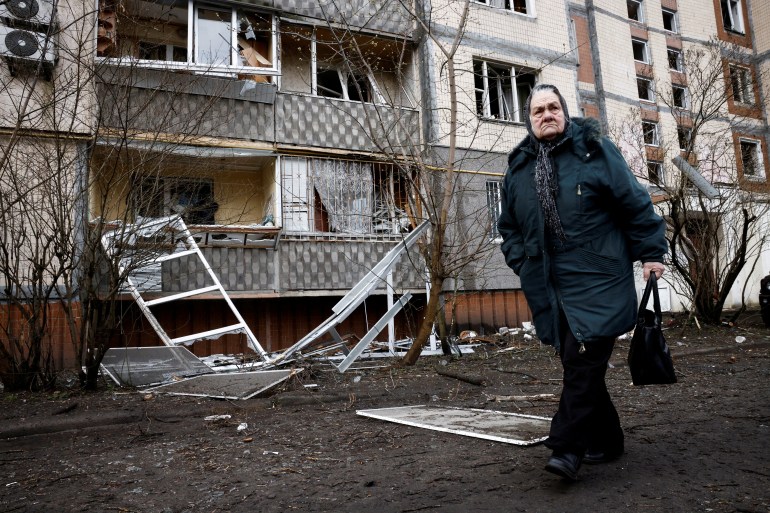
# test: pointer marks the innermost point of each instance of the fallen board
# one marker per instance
(512, 428)
(231, 385)
(144, 366)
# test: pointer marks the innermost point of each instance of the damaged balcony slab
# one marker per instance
(145, 366)
(237, 385)
(498, 426)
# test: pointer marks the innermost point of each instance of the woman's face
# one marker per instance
(546, 115)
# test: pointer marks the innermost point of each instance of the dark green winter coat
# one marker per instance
(609, 223)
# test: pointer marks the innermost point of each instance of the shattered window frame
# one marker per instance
(521, 7)
(650, 133)
(501, 90)
(655, 172)
(752, 158)
(742, 84)
(171, 35)
(193, 199)
(322, 195)
(732, 15)
(645, 89)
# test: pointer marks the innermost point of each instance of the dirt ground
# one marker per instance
(698, 445)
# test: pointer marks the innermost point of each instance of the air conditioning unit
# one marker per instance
(27, 13)
(21, 46)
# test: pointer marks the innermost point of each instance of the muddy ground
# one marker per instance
(699, 445)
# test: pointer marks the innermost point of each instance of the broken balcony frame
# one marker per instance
(378, 275)
(124, 242)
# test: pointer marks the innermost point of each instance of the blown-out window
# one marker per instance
(641, 51)
(182, 34)
(163, 196)
(741, 84)
(670, 20)
(645, 89)
(655, 172)
(684, 138)
(650, 133)
(752, 159)
(635, 11)
(343, 196)
(675, 60)
(732, 15)
(501, 90)
(679, 96)
(518, 6)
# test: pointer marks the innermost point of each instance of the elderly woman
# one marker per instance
(573, 221)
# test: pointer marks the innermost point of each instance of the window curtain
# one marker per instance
(346, 190)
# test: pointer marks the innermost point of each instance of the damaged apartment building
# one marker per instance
(292, 137)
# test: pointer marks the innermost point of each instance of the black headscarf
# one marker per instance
(546, 181)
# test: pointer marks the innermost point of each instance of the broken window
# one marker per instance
(645, 89)
(732, 15)
(641, 52)
(162, 196)
(751, 158)
(635, 11)
(341, 196)
(501, 91)
(670, 21)
(650, 133)
(684, 138)
(655, 172)
(519, 6)
(494, 206)
(183, 32)
(336, 83)
(675, 60)
(679, 96)
(742, 86)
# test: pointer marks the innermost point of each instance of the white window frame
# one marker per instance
(733, 14)
(494, 190)
(649, 87)
(685, 96)
(645, 49)
(679, 59)
(658, 170)
(655, 136)
(507, 5)
(639, 10)
(192, 46)
(687, 131)
(344, 75)
(744, 93)
(674, 20)
(758, 155)
(514, 114)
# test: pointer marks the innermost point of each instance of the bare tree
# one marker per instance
(87, 155)
(438, 191)
(714, 214)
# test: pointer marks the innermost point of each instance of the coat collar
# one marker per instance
(584, 136)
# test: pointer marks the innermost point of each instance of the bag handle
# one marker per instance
(652, 286)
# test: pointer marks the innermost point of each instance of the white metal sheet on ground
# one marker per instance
(143, 366)
(512, 428)
(235, 385)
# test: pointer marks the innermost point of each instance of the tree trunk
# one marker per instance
(426, 326)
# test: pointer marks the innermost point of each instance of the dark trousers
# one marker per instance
(586, 417)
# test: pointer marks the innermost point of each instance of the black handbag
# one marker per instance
(649, 358)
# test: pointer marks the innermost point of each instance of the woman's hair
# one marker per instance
(540, 88)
